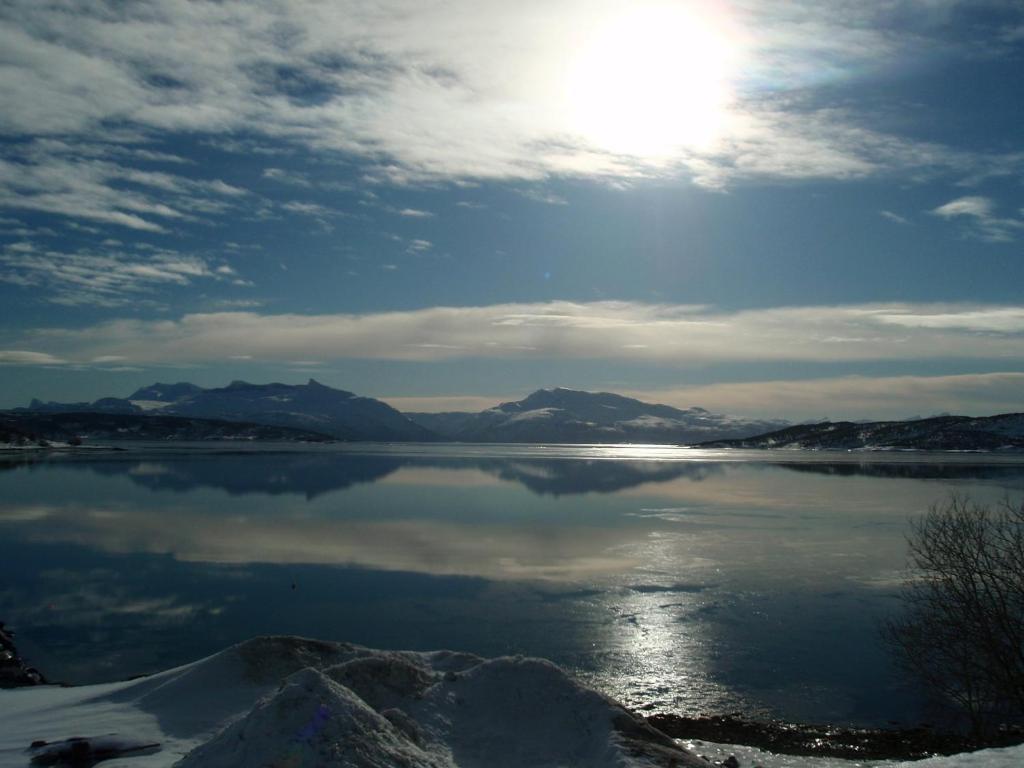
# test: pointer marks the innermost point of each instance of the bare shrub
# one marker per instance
(961, 633)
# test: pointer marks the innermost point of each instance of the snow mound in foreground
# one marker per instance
(287, 701)
(437, 711)
(311, 720)
(280, 701)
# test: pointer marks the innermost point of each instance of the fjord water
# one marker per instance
(673, 579)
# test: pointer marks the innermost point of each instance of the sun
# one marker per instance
(650, 81)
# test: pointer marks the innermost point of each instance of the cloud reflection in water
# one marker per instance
(673, 584)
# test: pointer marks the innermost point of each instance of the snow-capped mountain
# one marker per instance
(311, 406)
(941, 433)
(572, 416)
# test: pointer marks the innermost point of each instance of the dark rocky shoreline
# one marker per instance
(14, 673)
(826, 740)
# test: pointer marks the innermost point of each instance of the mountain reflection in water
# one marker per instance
(676, 580)
(313, 474)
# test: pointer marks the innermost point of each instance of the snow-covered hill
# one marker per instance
(941, 433)
(562, 415)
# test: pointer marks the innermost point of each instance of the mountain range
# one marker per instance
(547, 416)
(556, 415)
(562, 415)
(311, 406)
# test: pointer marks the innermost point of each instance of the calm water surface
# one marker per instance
(673, 579)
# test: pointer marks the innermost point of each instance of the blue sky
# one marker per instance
(798, 209)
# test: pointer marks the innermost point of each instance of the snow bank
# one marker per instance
(285, 701)
(289, 701)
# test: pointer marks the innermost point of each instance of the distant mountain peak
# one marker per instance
(166, 393)
(564, 415)
(567, 395)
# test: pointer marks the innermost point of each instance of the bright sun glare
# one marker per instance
(651, 80)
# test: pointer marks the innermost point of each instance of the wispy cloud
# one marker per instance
(83, 182)
(980, 213)
(895, 218)
(543, 196)
(287, 177)
(622, 331)
(111, 277)
(973, 206)
(310, 209)
(27, 357)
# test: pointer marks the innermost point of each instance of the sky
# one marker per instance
(803, 209)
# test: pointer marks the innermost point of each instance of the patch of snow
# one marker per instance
(652, 422)
(535, 414)
(50, 445)
(1009, 757)
(150, 405)
(311, 720)
(751, 756)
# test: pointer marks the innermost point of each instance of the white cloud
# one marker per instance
(852, 397)
(27, 357)
(980, 211)
(610, 330)
(415, 213)
(974, 206)
(996, 319)
(454, 91)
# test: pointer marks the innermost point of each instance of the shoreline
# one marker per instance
(818, 740)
